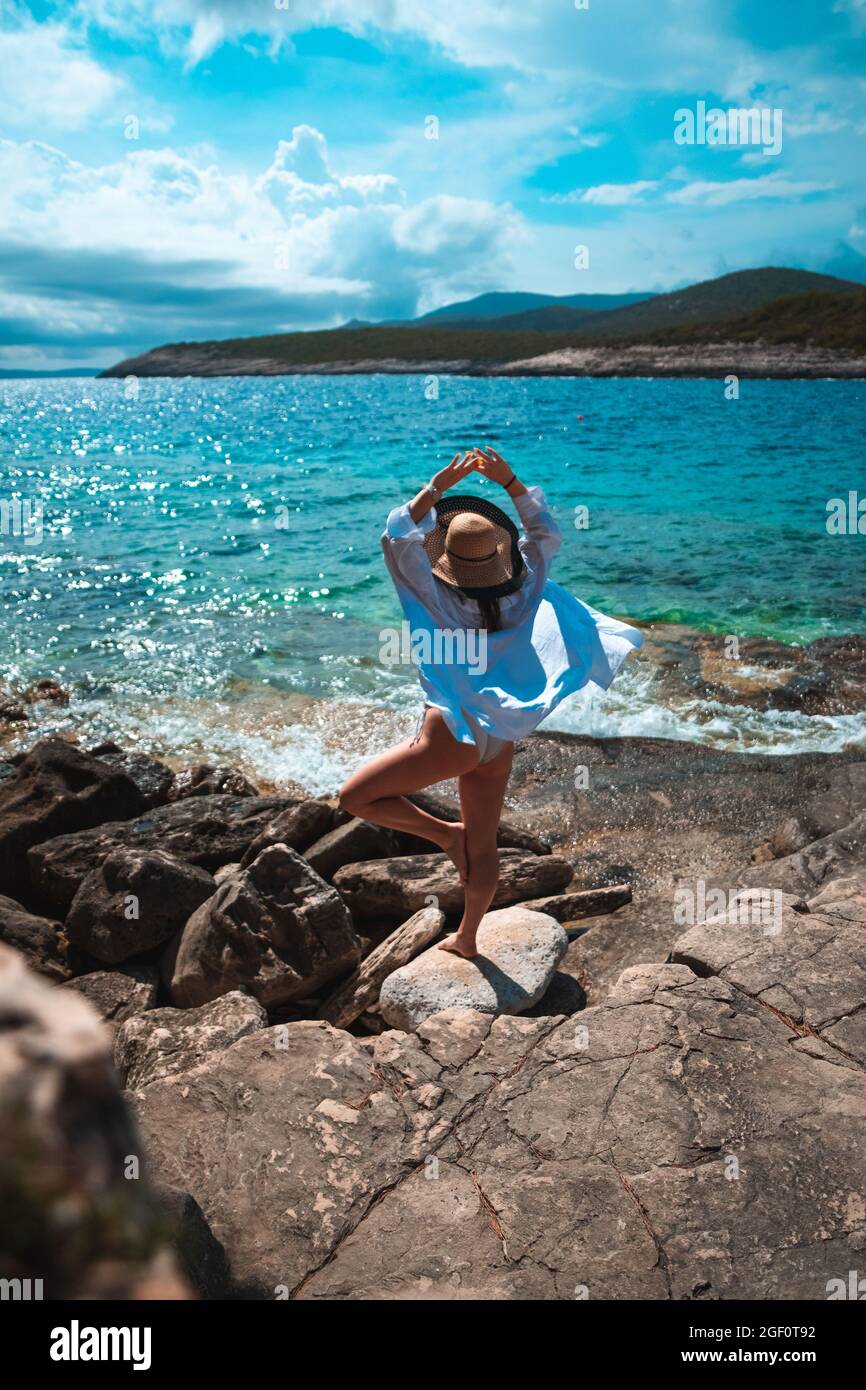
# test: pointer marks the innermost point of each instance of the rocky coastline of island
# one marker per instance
(240, 993)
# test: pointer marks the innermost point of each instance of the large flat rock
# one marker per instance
(672, 1142)
(809, 967)
(398, 887)
(519, 951)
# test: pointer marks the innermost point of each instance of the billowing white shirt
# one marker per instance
(508, 681)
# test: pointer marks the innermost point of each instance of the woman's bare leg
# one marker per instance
(377, 792)
(482, 792)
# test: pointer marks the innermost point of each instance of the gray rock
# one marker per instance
(361, 990)
(519, 951)
(348, 844)
(298, 826)
(203, 780)
(71, 1216)
(164, 1042)
(225, 871)
(39, 940)
(276, 929)
(153, 779)
(135, 900)
(56, 788)
(810, 968)
(207, 831)
(586, 902)
(199, 1253)
(397, 887)
(509, 835)
(845, 897)
(841, 852)
(118, 995)
(671, 1143)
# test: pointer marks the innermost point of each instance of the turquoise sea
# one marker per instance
(208, 556)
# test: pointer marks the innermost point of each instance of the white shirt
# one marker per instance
(508, 681)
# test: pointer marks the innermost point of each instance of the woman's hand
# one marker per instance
(459, 468)
(493, 466)
(455, 472)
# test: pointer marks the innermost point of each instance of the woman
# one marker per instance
(462, 571)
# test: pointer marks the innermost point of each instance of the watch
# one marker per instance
(433, 490)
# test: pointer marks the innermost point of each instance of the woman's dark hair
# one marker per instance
(490, 618)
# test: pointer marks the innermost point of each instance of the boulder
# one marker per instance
(845, 897)
(164, 1042)
(199, 1253)
(587, 902)
(672, 1143)
(46, 689)
(39, 940)
(11, 710)
(71, 1215)
(510, 835)
(153, 779)
(276, 929)
(118, 995)
(519, 951)
(361, 990)
(817, 863)
(56, 789)
(208, 831)
(225, 871)
(348, 844)
(135, 900)
(297, 826)
(809, 967)
(398, 887)
(203, 780)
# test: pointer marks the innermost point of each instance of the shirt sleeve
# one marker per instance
(541, 536)
(405, 556)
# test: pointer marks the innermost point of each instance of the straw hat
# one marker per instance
(474, 547)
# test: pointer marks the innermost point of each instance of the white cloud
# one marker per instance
(611, 195)
(709, 193)
(672, 46)
(160, 244)
(45, 76)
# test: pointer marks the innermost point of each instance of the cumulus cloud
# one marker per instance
(159, 246)
(46, 76)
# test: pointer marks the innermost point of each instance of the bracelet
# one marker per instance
(512, 479)
(433, 490)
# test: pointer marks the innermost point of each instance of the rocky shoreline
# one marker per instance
(714, 359)
(240, 996)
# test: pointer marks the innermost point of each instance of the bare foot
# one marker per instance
(452, 943)
(455, 848)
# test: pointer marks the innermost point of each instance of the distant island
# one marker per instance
(771, 322)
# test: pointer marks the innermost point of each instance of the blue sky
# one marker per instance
(185, 169)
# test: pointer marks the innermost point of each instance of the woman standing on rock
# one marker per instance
(498, 647)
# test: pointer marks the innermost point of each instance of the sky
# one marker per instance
(188, 169)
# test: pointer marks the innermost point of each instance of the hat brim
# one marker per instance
(494, 578)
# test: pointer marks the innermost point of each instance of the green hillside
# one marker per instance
(816, 317)
(728, 297)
